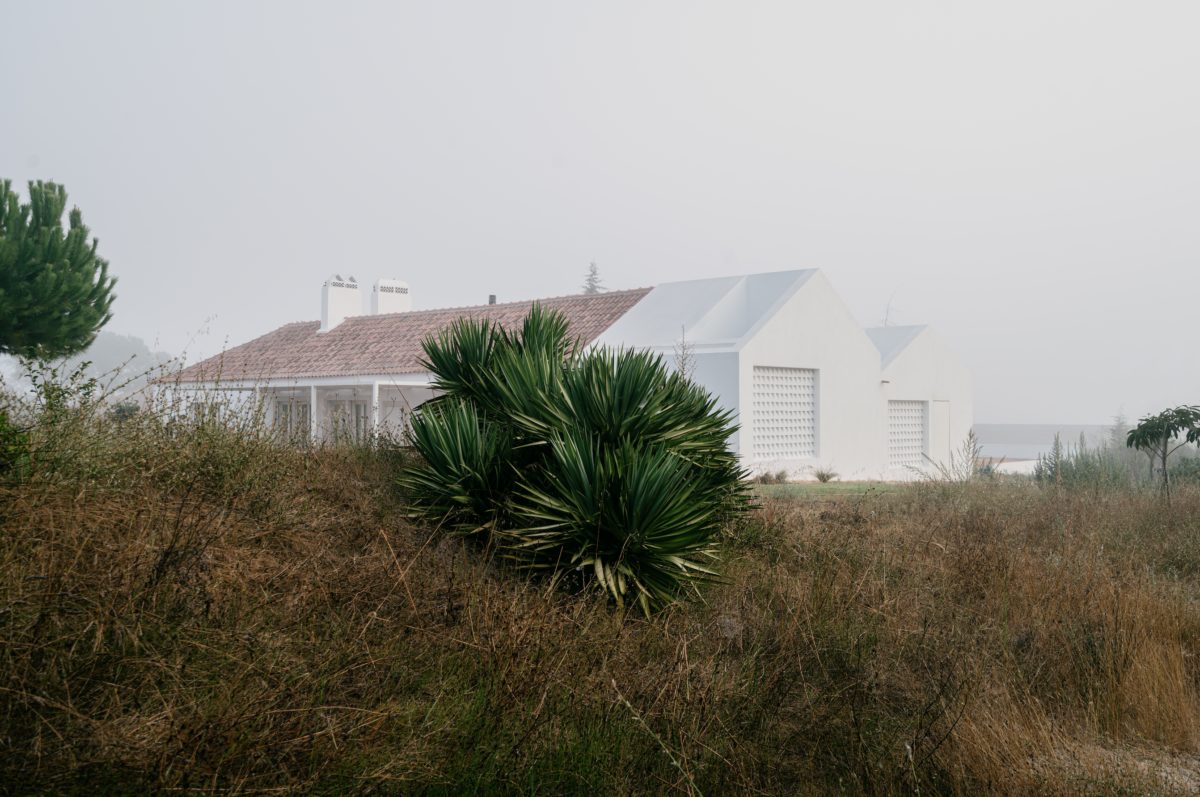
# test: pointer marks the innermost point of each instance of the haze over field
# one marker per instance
(1024, 177)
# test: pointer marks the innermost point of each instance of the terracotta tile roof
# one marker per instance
(388, 344)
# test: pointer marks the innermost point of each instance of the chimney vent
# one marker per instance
(339, 300)
(390, 296)
(491, 298)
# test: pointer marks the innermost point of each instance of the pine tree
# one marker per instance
(591, 283)
(55, 292)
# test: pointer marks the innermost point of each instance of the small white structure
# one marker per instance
(339, 301)
(810, 387)
(390, 296)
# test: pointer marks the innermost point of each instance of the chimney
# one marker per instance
(390, 296)
(491, 298)
(339, 300)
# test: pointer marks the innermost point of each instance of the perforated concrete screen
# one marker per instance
(908, 433)
(785, 413)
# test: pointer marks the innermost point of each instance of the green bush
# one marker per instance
(602, 463)
(1089, 467)
(1186, 469)
(14, 448)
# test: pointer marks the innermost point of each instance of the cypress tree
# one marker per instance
(591, 282)
(55, 292)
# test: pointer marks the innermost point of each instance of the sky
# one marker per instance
(1023, 176)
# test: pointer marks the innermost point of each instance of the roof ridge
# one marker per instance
(587, 296)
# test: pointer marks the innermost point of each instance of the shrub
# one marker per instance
(964, 465)
(123, 411)
(14, 448)
(824, 475)
(1186, 469)
(1082, 466)
(603, 462)
(767, 477)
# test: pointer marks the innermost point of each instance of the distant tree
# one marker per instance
(685, 355)
(1161, 435)
(55, 292)
(591, 282)
(122, 363)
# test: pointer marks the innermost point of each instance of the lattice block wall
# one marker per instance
(908, 432)
(784, 413)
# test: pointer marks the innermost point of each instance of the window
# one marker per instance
(349, 421)
(291, 419)
(784, 413)
(362, 422)
(908, 433)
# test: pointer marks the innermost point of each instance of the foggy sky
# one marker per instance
(1023, 176)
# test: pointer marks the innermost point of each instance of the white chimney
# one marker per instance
(390, 296)
(339, 300)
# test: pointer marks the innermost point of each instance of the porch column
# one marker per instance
(375, 407)
(268, 408)
(314, 414)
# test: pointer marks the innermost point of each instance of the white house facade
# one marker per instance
(810, 387)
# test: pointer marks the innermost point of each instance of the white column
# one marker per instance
(268, 408)
(314, 415)
(375, 407)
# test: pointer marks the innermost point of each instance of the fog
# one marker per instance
(1023, 176)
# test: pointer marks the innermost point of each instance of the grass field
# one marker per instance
(195, 609)
(806, 490)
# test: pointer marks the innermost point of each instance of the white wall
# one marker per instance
(928, 370)
(719, 373)
(814, 329)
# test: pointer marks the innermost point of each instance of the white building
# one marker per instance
(810, 387)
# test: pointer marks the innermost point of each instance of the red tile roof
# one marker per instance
(389, 344)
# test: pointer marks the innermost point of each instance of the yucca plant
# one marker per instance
(501, 373)
(468, 472)
(461, 358)
(631, 514)
(621, 395)
(602, 462)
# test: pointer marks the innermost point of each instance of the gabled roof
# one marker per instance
(891, 341)
(389, 344)
(710, 312)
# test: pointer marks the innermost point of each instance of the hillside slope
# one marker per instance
(196, 609)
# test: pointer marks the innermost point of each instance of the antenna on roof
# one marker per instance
(352, 279)
(337, 277)
(887, 312)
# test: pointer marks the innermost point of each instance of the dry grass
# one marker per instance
(197, 610)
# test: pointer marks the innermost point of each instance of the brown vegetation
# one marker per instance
(196, 609)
